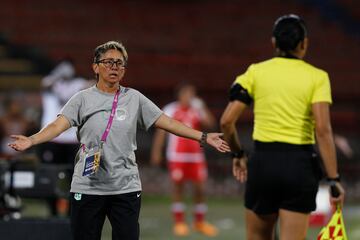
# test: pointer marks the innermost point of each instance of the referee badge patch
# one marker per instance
(77, 196)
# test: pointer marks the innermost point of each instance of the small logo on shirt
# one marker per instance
(77, 196)
(121, 114)
(138, 194)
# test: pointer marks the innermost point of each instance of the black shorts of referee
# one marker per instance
(88, 214)
(282, 176)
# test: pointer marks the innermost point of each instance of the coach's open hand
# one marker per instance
(21, 142)
(215, 140)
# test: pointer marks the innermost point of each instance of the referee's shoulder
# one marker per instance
(260, 65)
(314, 69)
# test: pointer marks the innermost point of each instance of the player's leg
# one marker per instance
(293, 225)
(260, 227)
(87, 216)
(197, 173)
(176, 170)
(200, 207)
(178, 206)
(123, 213)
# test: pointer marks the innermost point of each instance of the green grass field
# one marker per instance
(226, 214)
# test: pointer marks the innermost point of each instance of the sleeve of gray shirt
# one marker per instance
(148, 112)
(71, 110)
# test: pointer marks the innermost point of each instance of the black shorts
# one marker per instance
(88, 215)
(282, 176)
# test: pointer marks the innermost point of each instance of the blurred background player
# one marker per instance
(186, 159)
(58, 87)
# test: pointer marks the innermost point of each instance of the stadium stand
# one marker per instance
(20, 67)
(176, 40)
(205, 42)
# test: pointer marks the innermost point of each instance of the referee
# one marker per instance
(291, 104)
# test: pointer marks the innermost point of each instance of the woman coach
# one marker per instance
(291, 102)
(106, 179)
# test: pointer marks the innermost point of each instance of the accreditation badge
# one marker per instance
(92, 161)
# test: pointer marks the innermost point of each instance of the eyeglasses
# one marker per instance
(109, 63)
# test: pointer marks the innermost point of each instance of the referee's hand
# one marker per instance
(240, 168)
(337, 195)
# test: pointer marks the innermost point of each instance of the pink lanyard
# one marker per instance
(111, 118)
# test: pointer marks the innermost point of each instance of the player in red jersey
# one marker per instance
(186, 159)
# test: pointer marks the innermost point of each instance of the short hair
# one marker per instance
(289, 31)
(103, 48)
(181, 86)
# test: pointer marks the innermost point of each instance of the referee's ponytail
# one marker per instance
(289, 31)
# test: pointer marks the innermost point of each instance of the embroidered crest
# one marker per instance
(121, 114)
(77, 196)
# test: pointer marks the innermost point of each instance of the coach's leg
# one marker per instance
(293, 225)
(260, 227)
(123, 214)
(87, 216)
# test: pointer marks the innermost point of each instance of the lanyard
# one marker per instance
(111, 118)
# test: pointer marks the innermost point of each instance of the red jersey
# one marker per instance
(181, 149)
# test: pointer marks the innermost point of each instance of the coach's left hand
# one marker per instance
(215, 140)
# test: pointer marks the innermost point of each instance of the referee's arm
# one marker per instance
(228, 124)
(324, 136)
(239, 99)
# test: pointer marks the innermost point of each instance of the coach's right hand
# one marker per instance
(240, 169)
(21, 142)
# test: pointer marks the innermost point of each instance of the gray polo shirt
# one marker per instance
(89, 110)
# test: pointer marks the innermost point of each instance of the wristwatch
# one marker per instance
(335, 179)
(238, 154)
(203, 139)
(334, 190)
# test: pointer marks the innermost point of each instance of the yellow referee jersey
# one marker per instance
(283, 90)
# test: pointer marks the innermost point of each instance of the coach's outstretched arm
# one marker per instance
(52, 130)
(326, 145)
(173, 126)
